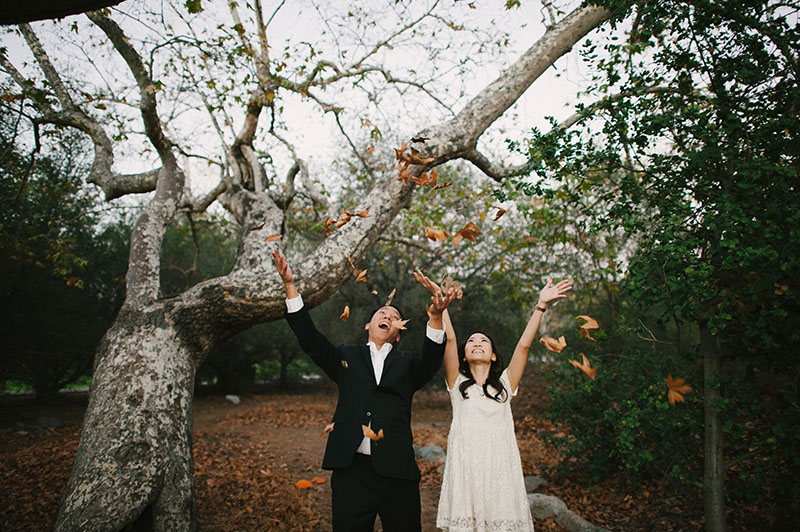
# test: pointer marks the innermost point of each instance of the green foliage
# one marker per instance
(621, 420)
(61, 275)
(693, 151)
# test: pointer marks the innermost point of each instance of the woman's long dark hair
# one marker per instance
(495, 370)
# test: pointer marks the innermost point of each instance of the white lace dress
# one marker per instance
(483, 489)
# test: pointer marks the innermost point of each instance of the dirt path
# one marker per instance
(291, 427)
(248, 457)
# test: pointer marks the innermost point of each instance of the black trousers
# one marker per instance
(360, 494)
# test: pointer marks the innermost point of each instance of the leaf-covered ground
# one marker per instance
(248, 458)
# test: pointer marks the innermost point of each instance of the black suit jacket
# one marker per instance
(361, 400)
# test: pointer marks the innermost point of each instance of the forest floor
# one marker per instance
(249, 456)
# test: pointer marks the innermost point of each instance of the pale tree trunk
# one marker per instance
(135, 448)
(714, 463)
(134, 460)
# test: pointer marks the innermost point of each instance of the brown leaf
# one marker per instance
(257, 227)
(328, 428)
(369, 433)
(436, 234)
(551, 344)
(443, 185)
(370, 149)
(374, 292)
(469, 232)
(677, 388)
(304, 484)
(345, 314)
(500, 212)
(399, 324)
(398, 154)
(363, 214)
(361, 276)
(585, 333)
(391, 297)
(591, 323)
(448, 283)
(318, 480)
(585, 366)
(273, 238)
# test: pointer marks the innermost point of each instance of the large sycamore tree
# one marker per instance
(201, 85)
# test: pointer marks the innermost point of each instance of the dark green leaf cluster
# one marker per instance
(693, 150)
(61, 275)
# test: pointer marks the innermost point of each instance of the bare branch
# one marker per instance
(299, 167)
(356, 152)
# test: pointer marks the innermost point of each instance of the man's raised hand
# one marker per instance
(285, 272)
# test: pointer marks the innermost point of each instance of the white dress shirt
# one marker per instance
(378, 355)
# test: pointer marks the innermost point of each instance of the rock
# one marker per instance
(233, 399)
(532, 483)
(431, 453)
(573, 522)
(49, 422)
(544, 506)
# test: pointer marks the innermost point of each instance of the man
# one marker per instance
(377, 476)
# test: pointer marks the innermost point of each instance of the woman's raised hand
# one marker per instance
(554, 291)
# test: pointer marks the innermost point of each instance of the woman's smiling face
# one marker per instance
(478, 347)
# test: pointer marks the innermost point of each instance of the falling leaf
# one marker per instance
(369, 433)
(273, 238)
(585, 333)
(448, 283)
(352, 265)
(370, 149)
(399, 153)
(436, 234)
(551, 344)
(531, 239)
(500, 212)
(780, 289)
(328, 428)
(391, 297)
(677, 388)
(304, 484)
(591, 323)
(414, 158)
(361, 276)
(374, 292)
(363, 214)
(345, 314)
(318, 480)
(585, 367)
(399, 324)
(443, 185)
(258, 227)
(469, 232)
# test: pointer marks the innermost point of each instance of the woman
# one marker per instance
(483, 489)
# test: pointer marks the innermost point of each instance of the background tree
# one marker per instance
(61, 273)
(210, 71)
(696, 156)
